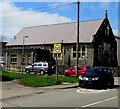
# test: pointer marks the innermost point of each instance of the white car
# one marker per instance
(39, 67)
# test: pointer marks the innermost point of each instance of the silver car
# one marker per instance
(38, 67)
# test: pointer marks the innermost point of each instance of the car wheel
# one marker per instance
(81, 85)
(27, 71)
(111, 84)
(100, 85)
(42, 72)
(67, 74)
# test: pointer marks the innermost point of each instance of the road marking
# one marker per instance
(67, 89)
(99, 102)
(82, 90)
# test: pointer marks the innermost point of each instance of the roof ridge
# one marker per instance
(50, 24)
(62, 23)
(91, 20)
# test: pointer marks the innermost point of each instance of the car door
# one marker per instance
(73, 71)
(80, 71)
(39, 66)
(34, 67)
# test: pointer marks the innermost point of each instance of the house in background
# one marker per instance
(97, 44)
(2, 52)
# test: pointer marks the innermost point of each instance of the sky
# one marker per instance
(16, 15)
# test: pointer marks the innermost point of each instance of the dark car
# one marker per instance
(97, 77)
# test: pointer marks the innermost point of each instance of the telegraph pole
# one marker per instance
(77, 45)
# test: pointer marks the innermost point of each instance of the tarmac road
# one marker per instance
(69, 95)
(67, 98)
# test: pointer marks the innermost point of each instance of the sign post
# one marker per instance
(57, 50)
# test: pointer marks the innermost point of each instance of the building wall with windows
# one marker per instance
(66, 58)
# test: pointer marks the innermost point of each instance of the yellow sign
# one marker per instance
(57, 48)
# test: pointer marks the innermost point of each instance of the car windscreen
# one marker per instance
(75, 68)
(109, 70)
(92, 71)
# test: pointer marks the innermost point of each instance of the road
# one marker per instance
(69, 97)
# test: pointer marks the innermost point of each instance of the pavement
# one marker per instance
(12, 89)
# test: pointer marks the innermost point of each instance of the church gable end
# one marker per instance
(105, 46)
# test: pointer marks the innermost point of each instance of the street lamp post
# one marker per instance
(62, 49)
(23, 50)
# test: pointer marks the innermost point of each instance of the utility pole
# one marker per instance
(77, 45)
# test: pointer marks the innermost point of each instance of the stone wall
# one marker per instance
(116, 71)
(70, 61)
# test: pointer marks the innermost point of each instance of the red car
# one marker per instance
(72, 71)
(85, 67)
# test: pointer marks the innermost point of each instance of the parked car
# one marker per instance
(40, 67)
(97, 77)
(72, 71)
(85, 67)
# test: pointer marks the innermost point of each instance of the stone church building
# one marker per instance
(97, 45)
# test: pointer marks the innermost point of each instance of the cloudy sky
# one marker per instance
(15, 15)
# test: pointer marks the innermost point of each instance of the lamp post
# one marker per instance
(62, 49)
(23, 50)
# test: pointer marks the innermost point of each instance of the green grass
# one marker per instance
(38, 81)
(13, 75)
(34, 80)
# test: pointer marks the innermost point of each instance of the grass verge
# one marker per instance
(34, 80)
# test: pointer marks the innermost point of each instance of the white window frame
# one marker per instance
(74, 52)
(29, 59)
(2, 59)
(13, 58)
(80, 52)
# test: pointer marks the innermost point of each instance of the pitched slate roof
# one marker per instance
(50, 34)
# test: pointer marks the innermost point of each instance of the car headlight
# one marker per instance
(80, 78)
(85, 78)
(95, 78)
